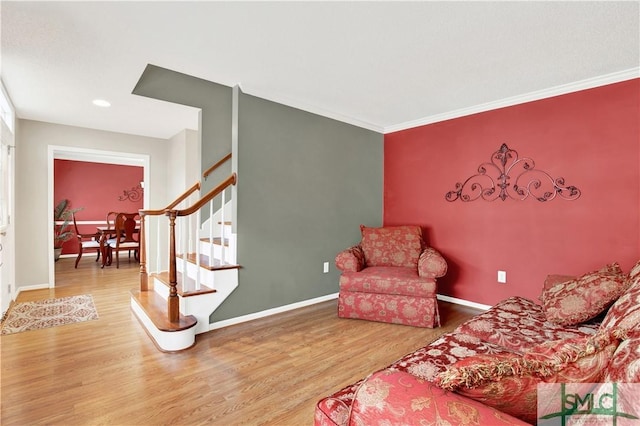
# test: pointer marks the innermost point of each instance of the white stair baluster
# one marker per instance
(211, 231)
(222, 236)
(157, 249)
(197, 250)
(183, 240)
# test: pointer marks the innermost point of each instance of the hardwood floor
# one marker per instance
(268, 371)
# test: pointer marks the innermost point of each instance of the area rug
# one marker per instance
(49, 313)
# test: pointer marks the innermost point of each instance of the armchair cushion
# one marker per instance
(391, 245)
(350, 260)
(431, 264)
(388, 280)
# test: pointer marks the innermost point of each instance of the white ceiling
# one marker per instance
(380, 65)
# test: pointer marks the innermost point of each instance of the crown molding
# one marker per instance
(589, 83)
(282, 100)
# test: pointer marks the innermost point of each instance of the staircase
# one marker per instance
(174, 305)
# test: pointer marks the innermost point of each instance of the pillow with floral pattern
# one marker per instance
(392, 245)
(575, 301)
(508, 382)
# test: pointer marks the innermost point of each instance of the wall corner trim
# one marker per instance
(563, 89)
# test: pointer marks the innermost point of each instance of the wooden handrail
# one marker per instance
(173, 305)
(177, 201)
(231, 180)
(215, 166)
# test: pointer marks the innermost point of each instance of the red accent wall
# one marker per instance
(591, 138)
(97, 188)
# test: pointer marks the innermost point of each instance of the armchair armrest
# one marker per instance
(351, 259)
(431, 264)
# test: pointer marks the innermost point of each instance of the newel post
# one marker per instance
(173, 303)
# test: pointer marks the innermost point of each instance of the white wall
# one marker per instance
(32, 189)
(183, 167)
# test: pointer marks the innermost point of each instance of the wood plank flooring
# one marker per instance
(268, 371)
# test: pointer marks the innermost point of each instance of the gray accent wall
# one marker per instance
(213, 99)
(305, 184)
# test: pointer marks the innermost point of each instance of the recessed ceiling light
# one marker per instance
(101, 103)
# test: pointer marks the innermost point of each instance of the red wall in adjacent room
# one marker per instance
(97, 188)
(590, 138)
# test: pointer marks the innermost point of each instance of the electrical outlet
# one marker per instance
(502, 277)
(325, 267)
(9, 289)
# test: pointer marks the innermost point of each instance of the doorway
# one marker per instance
(94, 156)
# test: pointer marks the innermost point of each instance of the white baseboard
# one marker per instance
(269, 312)
(281, 309)
(463, 302)
(30, 287)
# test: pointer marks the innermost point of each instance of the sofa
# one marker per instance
(488, 370)
(390, 276)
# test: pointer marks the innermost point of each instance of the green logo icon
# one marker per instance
(595, 401)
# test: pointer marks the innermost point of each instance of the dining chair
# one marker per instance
(86, 242)
(126, 236)
(111, 223)
(111, 218)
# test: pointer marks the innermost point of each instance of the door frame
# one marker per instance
(55, 152)
(7, 180)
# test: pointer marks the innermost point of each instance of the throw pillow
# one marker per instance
(391, 245)
(509, 382)
(554, 279)
(577, 360)
(623, 318)
(634, 274)
(499, 381)
(391, 397)
(625, 363)
(578, 300)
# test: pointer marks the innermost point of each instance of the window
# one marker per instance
(6, 110)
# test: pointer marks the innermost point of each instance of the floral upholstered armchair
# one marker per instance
(390, 277)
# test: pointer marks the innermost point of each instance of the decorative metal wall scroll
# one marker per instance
(134, 194)
(508, 176)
